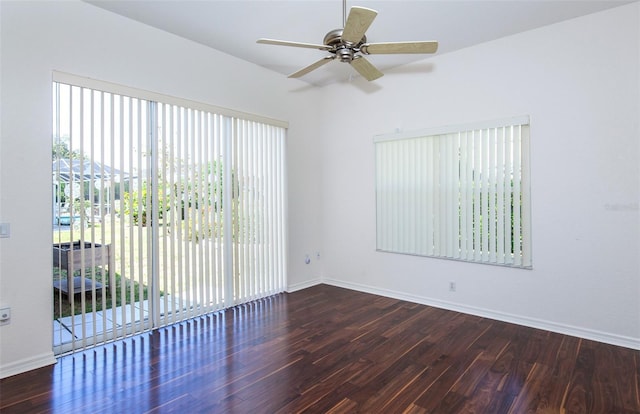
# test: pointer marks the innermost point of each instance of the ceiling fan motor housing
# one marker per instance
(345, 51)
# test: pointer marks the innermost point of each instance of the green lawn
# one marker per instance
(134, 285)
(63, 305)
(130, 251)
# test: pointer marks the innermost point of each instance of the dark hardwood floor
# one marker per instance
(331, 350)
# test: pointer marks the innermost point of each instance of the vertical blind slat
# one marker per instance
(517, 241)
(500, 188)
(491, 229)
(525, 191)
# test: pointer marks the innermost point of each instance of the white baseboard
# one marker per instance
(303, 285)
(605, 337)
(27, 364)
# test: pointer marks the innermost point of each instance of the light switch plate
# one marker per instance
(5, 230)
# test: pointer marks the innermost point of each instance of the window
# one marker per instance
(456, 192)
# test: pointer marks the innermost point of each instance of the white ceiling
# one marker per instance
(234, 26)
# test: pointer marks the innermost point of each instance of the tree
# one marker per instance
(137, 204)
(61, 150)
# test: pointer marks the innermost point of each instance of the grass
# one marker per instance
(67, 306)
(130, 253)
(134, 266)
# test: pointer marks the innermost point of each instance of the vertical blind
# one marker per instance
(189, 202)
(221, 195)
(100, 239)
(456, 192)
(259, 210)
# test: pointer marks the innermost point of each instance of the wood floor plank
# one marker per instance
(330, 350)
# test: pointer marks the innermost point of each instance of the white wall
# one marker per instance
(78, 38)
(579, 82)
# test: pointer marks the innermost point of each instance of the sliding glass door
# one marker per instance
(163, 210)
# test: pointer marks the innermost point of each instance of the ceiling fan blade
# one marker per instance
(313, 66)
(293, 44)
(359, 20)
(365, 68)
(399, 47)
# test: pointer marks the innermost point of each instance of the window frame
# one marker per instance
(433, 188)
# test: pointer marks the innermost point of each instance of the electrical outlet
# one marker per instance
(5, 316)
(452, 286)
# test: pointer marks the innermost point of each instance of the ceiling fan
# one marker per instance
(350, 44)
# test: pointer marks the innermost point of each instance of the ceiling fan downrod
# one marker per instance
(344, 13)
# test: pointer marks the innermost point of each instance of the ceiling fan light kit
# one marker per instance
(349, 44)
